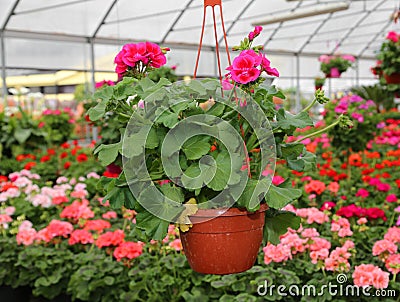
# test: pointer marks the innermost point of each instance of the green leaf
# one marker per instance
(129, 199)
(146, 84)
(225, 174)
(191, 179)
(278, 197)
(277, 223)
(154, 227)
(217, 109)
(306, 162)
(173, 192)
(152, 139)
(122, 91)
(134, 143)
(115, 197)
(21, 135)
(290, 122)
(108, 153)
(243, 297)
(197, 86)
(109, 280)
(168, 119)
(292, 150)
(105, 93)
(250, 198)
(195, 147)
(98, 111)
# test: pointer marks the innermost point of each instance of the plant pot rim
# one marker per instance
(226, 212)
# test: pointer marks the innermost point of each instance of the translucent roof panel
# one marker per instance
(63, 17)
(61, 55)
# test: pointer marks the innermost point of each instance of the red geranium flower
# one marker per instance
(82, 157)
(110, 175)
(65, 145)
(75, 150)
(31, 156)
(29, 165)
(63, 155)
(67, 165)
(20, 157)
(45, 158)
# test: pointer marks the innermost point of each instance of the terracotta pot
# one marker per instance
(394, 78)
(226, 244)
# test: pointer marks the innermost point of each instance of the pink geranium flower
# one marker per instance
(128, 250)
(26, 236)
(243, 69)
(383, 248)
(176, 245)
(393, 235)
(392, 35)
(369, 274)
(80, 236)
(392, 264)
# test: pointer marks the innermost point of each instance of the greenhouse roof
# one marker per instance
(44, 35)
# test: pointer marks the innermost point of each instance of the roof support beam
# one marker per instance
(40, 9)
(316, 30)
(104, 18)
(12, 11)
(246, 7)
(162, 13)
(3, 68)
(279, 26)
(361, 20)
(171, 28)
(374, 38)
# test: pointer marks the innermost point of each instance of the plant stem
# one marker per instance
(318, 132)
(232, 92)
(309, 106)
(124, 115)
(392, 219)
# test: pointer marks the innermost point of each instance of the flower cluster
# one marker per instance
(137, 59)
(251, 62)
(363, 117)
(369, 274)
(104, 83)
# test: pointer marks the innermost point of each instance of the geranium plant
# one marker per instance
(319, 82)
(58, 124)
(187, 143)
(389, 54)
(333, 66)
(364, 118)
(377, 69)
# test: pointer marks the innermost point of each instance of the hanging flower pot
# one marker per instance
(318, 87)
(226, 244)
(394, 78)
(334, 73)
